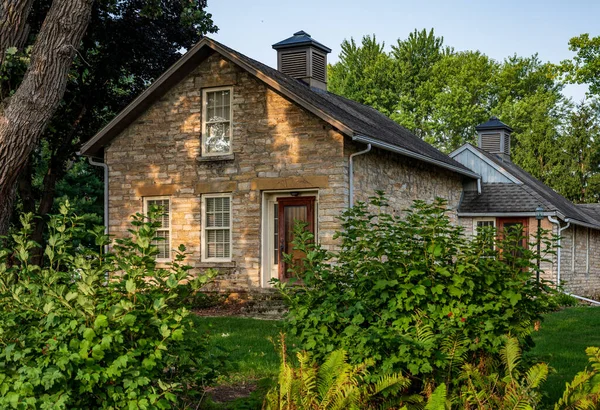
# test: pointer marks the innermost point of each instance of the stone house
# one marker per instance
(236, 151)
(506, 195)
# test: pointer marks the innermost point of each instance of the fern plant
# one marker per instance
(335, 385)
(583, 393)
(509, 388)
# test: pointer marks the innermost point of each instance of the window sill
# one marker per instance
(215, 264)
(227, 157)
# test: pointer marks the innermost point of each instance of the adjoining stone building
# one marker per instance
(506, 196)
(236, 151)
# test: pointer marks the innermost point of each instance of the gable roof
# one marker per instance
(522, 198)
(358, 121)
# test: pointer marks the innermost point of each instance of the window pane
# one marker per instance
(217, 137)
(163, 244)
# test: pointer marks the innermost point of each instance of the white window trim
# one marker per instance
(204, 105)
(145, 206)
(204, 258)
(488, 219)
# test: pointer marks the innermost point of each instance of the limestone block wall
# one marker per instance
(580, 261)
(276, 145)
(403, 179)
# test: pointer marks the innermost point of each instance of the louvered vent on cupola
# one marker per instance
(494, 137)
(303, 58)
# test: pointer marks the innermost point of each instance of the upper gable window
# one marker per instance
(216, 121)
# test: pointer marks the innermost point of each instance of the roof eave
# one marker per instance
(502, 214)
(393, 148)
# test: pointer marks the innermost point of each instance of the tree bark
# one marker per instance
(13, 24)
(35, 101)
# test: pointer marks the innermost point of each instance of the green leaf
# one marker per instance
(129, 319)
(130, 285)
(101, 321)
(89, 334)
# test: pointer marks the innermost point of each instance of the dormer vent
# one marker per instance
(494, 137)
(303, 58)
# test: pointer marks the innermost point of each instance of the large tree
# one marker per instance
(584, 68)
(128, 44)
(25, 114)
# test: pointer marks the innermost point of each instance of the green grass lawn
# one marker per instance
(250, 343)
(561, 343)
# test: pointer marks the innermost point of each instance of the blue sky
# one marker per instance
(498, 29)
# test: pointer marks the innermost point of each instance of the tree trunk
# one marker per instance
(37, 98)
(13, 24)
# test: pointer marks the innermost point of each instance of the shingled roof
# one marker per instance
(502, 198)
(358, 121)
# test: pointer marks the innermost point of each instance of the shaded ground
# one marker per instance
(229, 393)
(254, 354)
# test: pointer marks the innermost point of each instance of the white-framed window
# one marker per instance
(216, 227)
(216, 121)
(164, 230)
(481, 223)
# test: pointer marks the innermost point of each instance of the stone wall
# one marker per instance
(580, 261)
(276, 145)
(403, 179)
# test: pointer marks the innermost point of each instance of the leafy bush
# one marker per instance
(406, 291)
(93, 330)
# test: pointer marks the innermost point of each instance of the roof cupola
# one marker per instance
(494, 137)
(303, 58)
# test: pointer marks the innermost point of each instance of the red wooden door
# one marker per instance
(291, 210)
(514, 226)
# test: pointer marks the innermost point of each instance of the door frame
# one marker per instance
(266, 221)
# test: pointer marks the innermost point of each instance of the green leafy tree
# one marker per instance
(585, 66)
(127, 45)
(462, 95)
(576, 172)
(528, 98)
(415, 59)
(363, 74)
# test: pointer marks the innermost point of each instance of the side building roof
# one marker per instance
(358, 121)
(523, 198)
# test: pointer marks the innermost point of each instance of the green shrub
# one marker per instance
(408, 291)
(92, 330)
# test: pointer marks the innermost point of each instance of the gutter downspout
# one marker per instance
(105, 167)
(351, 174)
(556, 222)
(479, 186)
